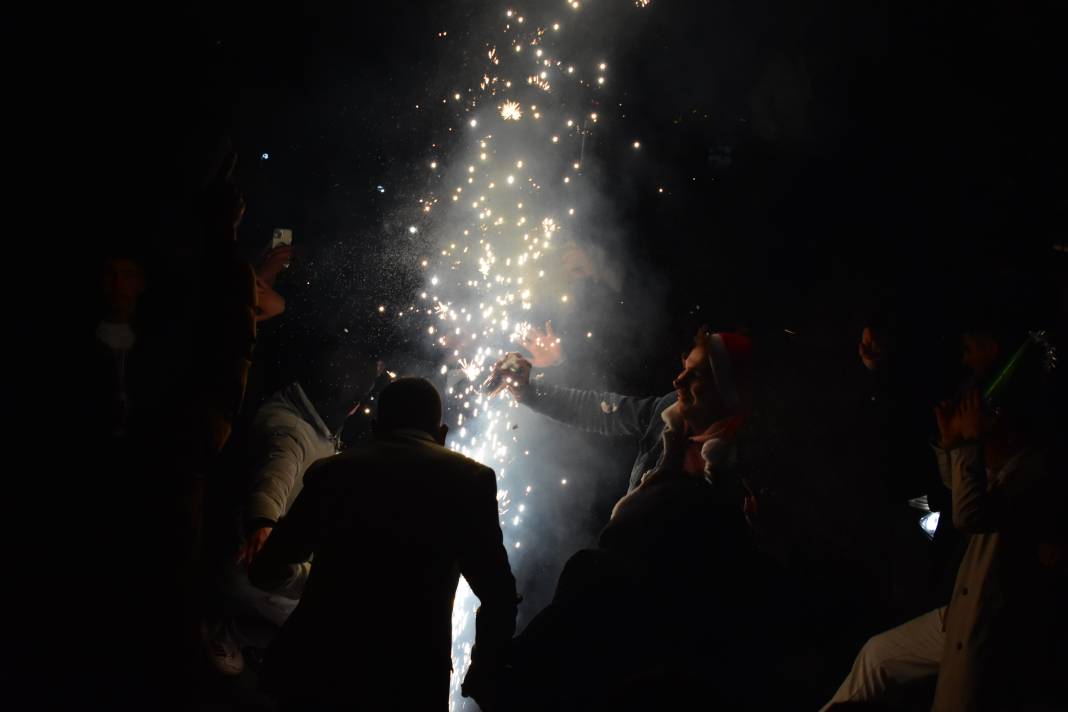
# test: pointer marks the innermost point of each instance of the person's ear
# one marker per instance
(443, 431)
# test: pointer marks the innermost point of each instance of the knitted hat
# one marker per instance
(730, 356)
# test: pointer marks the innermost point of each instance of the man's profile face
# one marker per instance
(699, 400)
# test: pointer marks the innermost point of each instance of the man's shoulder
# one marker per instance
(663, 403)
(452, 461)
(667, 400)
(374, 453)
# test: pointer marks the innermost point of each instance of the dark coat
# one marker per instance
(392, 524)
(609, 414)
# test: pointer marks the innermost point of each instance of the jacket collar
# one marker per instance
(413, 434)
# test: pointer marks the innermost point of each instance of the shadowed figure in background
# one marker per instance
(663, 608)
(991, 647)
(391, 523)
(114, 359)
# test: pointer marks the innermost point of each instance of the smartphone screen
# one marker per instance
(281, 236)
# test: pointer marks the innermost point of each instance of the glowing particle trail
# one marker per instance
(492, 259)
(510, 111)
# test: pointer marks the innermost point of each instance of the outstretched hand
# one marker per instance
(253, 545)
(544, 346)
(511, 372)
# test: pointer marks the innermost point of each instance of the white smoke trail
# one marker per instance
(510, 191)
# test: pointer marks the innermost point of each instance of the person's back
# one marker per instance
(392, 524)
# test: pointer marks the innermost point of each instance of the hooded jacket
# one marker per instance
(287, 436)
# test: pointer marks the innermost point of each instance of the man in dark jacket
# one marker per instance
(392, 524)
(707, 370)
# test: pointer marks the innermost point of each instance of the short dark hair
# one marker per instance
(409, 403)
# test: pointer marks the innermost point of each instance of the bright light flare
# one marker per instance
(510, 111)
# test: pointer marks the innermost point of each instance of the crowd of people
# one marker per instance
(247, 521)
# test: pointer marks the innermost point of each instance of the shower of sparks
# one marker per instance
(489, 258)
(510, 111)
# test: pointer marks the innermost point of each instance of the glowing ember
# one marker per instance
(510, 111)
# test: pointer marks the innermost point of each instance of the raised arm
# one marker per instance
(593, 411)
(283, 565)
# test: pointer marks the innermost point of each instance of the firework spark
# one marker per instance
(510, 111)
(494, 261)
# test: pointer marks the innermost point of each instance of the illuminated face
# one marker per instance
(699, 400)
(871, 349)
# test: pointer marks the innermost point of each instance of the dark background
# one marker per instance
(819, 158)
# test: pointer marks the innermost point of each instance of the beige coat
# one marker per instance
(997, 604)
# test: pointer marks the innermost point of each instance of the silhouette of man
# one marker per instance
(391, 524)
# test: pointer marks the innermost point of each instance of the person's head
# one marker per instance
(981, 351)
(122, 282)
(875, 342)
(410, 404)
(711, 384)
